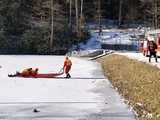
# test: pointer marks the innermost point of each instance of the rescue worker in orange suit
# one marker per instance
(26, 72)
(67, 67)
(152, 46)
(29, 72)
(34, 72)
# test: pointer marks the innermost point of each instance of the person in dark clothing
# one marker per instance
(152, 46)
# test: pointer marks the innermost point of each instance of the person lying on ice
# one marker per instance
(67, 66)
(29, 72)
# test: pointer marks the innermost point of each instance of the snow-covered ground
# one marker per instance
(92, 45)
(121, 37)
(109, 36)
(116, 37)
(140, 57)
(86, 96)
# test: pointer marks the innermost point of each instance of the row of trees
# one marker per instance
(45, 26)
(40, 26)
(143, 11)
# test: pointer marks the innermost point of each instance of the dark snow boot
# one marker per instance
(68, 76)
(35, 110)
(156, 60)
(14, 75)
(10, 75)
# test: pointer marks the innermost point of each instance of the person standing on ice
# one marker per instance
(67, 66)
(152, 46)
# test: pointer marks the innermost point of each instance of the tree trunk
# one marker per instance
(155, 14)
(52, 26)
(99, 16)
(120, 13)
(77, 19)
(81, 18)
(70, 13)
(81, 8)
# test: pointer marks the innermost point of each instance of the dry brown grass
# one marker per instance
(137, 82)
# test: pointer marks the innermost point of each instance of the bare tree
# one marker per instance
(99, 16)
(52, 25)
(81, 17)
(77, 16)
(155, 14)
(120, 12)
(70, 13)
(81, 8)
(153, 11)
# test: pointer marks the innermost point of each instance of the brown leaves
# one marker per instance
(137, 82)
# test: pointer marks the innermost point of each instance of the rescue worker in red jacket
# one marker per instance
(152, 46)
(67, 67)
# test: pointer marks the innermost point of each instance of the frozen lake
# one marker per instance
(88, 95)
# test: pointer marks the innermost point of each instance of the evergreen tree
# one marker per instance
(25, 25)
(16, 18)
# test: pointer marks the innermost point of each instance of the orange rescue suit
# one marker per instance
(26, 73)
(29, 72)
(67, 65)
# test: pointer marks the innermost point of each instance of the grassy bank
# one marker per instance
(138, 82)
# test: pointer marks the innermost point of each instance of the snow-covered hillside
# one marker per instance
(112, 37)
(92, 44)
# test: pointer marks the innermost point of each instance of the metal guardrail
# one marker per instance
(94, 54)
